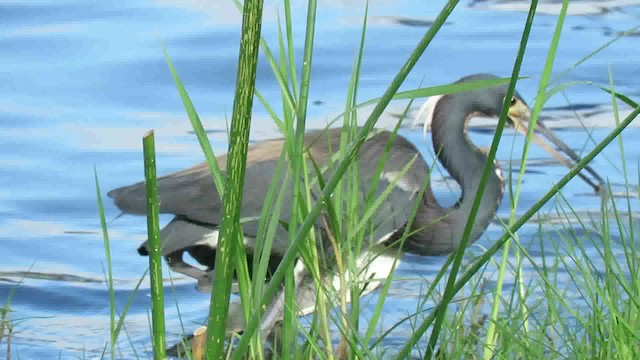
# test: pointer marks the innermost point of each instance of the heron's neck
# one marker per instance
(465, 163)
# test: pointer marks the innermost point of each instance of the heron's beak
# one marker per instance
(520, 114)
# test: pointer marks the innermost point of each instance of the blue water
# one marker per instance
(82, 81)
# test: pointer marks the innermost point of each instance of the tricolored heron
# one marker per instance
(435, 230)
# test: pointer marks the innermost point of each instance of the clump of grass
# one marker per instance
(6, 325)
(458, 325)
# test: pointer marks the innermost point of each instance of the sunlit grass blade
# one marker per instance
(631, 254)
(290, 49)
(295, 161)
(267, 227)
(279, 122)
(198, 129)
(354, 242)
(155, 250)
(370, 206)
(127, 306)
(281, 78)
(314, 260)
(426, 92)
(491, 338)
(115, 328)
(627, 100)
(214, 168)
(449, 291)
(591, 54)
(268, 224)
(230, 235)
(107, 251)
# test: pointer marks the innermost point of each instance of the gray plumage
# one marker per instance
(191, 196)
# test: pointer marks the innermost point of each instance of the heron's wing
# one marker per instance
(178, 192)
(407, 170)
(191, 193)
(396, 208)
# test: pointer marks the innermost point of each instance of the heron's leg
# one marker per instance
(177, 264)
(275, 311)
(204, 278)
(205, 283)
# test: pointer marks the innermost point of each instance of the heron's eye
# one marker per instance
(513, 101)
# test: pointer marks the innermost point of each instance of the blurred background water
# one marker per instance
(82, 81)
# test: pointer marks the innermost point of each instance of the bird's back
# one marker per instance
(190, 193)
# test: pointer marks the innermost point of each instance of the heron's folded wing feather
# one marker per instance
(192, 194)
(396, 208)
(177, 192)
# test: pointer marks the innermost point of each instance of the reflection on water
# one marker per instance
(84, 80)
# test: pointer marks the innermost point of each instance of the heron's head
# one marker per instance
(486, 102)
(489, 101)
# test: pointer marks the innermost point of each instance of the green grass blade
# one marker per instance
(107, 252)
(281, 78)
(296, 158)
(490, 343)
(198, 129)
(457, 261)
(230, 230)
(290, 50)
(627, 100)
(279, 123)
(354, 242)
(427, 92)
(595, 52)
(125, 311)
(155, 251)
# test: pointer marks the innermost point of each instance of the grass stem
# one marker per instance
(155, 250)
